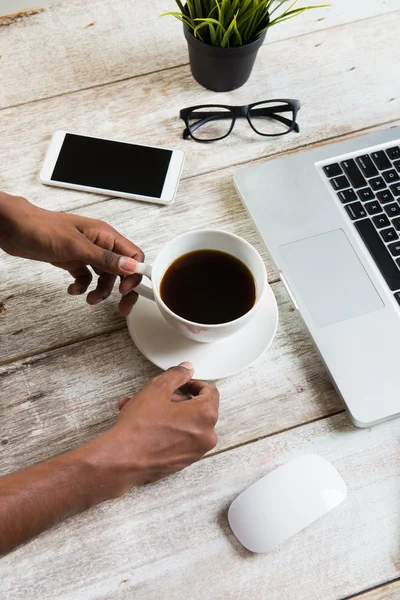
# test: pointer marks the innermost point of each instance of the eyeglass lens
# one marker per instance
(210, 122)
(271, 118)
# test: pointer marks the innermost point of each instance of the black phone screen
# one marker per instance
(110, 165)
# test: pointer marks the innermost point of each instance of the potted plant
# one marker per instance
(224, 36)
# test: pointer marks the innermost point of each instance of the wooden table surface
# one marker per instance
(115, 69)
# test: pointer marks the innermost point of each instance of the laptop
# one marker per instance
(330, 218)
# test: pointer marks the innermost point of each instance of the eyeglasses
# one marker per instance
(212, 122)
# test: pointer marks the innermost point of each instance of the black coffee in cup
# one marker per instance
(208, 287)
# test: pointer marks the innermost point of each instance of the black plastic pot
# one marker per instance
(221, 69)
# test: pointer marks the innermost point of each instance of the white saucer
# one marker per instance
(159, 343)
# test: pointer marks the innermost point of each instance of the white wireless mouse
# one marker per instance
(285, 501)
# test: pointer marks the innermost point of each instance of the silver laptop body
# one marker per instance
(321, 247)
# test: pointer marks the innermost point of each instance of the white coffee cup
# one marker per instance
(203, 239)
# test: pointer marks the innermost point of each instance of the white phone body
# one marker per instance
(166, 178)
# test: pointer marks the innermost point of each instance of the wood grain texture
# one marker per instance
(126, 39)
(146, 109)
(391, 591)
(54, 401)
(172, 540)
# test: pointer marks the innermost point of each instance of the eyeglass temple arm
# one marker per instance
(287, 122)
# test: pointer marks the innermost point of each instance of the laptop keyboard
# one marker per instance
(369, 188)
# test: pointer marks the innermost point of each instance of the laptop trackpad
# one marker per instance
(328, 278)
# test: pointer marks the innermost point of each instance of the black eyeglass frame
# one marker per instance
(236, 112)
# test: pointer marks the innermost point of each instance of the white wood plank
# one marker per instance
(142, 545)
(34, 294)
(391, 591)
(172, 540)
(11, 7)
(146, 109)
(126, 39)
(51, 402)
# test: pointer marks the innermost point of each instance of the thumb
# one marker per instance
(176, 377)
(107, 261)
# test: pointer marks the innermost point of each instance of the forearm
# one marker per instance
(12, 208)
(154, 436)
(34, 499)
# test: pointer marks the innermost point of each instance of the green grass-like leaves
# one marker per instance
(232, 23)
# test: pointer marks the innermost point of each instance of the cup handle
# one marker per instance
(143, 289)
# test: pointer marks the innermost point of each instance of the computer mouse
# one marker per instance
(285, 501)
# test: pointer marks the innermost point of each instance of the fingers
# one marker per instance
(204, 396)
(173, 379)
(180, 396)
(127, 303)
(118, 255)
(108, 252)
(83, 278)
(106, 260)
(105, 284)
(197, 388)
(128, 283)
(95, 243)
(126, 248)
(106, 257)
(202, 391)
(123, 401)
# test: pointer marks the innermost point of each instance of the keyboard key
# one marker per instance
(393, 210)
(396, 223)
(395, 250)
(366, 194)
(398, 262)
(381, 160)
(379, 252)
(385, 196)
(390, 176)
(367, 166)
(382, 221)
(356, 210)
(339, 183)
(353, 173)
(333, 170)
(397, 295)
(395, 189)
(396, 165)
(393, 152)
(389, 235)
(347, 196)
(373, 208)
(377, 183)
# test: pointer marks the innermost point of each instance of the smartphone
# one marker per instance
(111, 167)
